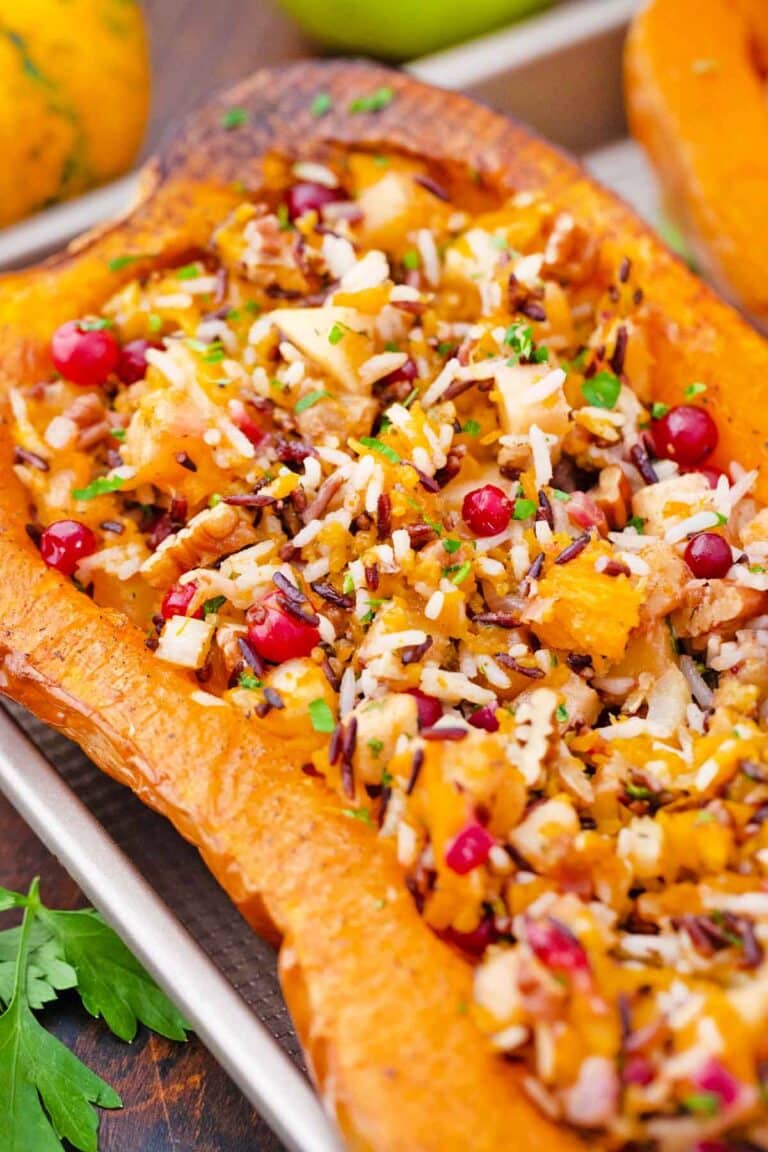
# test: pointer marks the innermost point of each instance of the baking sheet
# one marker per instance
(561, 72)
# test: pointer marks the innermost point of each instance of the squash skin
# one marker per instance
(74, 98)
(696, 102)
(377, 999)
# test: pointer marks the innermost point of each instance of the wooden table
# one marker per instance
(177, 1099)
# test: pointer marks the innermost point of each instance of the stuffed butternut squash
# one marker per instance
(383, 504)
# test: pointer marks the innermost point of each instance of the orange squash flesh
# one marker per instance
(379, 1002)
(697, 103)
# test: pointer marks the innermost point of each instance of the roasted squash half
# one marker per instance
(380, 1001)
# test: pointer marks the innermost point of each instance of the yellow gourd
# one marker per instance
(74, 94)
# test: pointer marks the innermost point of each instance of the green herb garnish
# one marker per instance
(336, 335)
(382, 449)
(694, 389)
(637, 523)
(117, 433)
(117, 263)
(601, 390)
(451, 546)
(702, 1103)
(658, 410)
(321, 716)
(248, 680)
(561, 712)
(523, 509)
(411, 260)
(98, 487)
(373, 102)
(321, 105)
(187, 272)
(234, 118)
(471, 428)
(311, 399)
(210, 607)
(154, 322)
(98, 324)
(361, 814)
(376, 747)
(461, 573)
(46, 1094)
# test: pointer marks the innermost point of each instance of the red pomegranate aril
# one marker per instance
(132, 361)
(469, 849)
(429, 708)
(476, 941)
(84, 355)
(308, 197)
(485, 718)
(407, 371)
(556, 946)
(177, 600)
(65, 543)
(276, 635)
(708, 556)
(253, 431)
(638, 1070)
(714, 1077)
(686, 434)
(486, 511)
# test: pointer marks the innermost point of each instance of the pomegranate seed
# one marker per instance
(485, 718)
(276, 635)
(710, 474)
(407, 371)
(86, 356)
(714, 1077)
(307, 197)
(685, 434)
(64, 543)
(474, 942)
(429, 708)
(708, 556)
(556, 946)
(178, 599)
(583, 511)
(469, 849)
(132, 362)
(638, 1070)
(486, 511)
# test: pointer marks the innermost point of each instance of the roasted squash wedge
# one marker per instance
(374, 568)
(696, 100)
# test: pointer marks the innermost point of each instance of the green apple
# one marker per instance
(403, 29)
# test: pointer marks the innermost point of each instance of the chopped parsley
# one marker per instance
(248, 680)
(601, 390)
(283, 217)
(694, 389)
(411, 260)
(98, 324)
(234, 118)
(471, 428)
(321, 105)
(451, 546)
(558, 494)
(461, 573)
(376, 747)
(117, 433)
(321, 716)
(519, 337)
(382, 449)
(523, 509)
(188, 272)
(361, 814)
(658, 410)
(98, 487)
(117, 263)
(311, 399)
(637, 523)
(154, 322)
(336, 334)
(561, 712)
(348, 583)
(212, 606)
(373, 102)
(702, 1103)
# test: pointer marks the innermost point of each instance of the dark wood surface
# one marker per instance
(176, 1097)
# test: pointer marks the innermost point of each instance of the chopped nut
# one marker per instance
(213, 533)
(613, 496)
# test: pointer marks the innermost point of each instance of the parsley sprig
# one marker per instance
(46, 1094)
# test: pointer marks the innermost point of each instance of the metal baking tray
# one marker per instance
(562, 73)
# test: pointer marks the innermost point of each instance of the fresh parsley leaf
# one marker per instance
(248, 680)
(117, 433)
(382, 449)
(561, 713)
(523, 509)
(658, 410)
(694, 389)
(461, 572)
(520, 339)
(188, 272)
(212, 606)
(321, 716)
(336, 334)
(234, 118)
(451, 546)
(47, 972)
(321, 105)
(98, 487)
(471, 428)
(311, 399)
(376, 747)
(637, 523)
(373, 102)
(601, 390)
(411, 260)
(361, 814)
